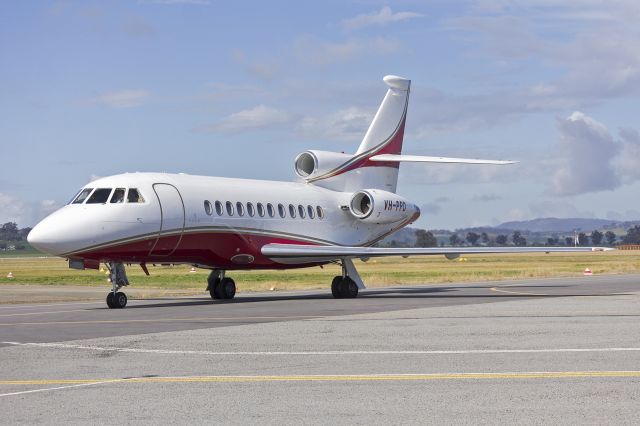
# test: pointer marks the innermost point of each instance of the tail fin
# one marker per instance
(384, 136)
(376, 163)
(386, 131)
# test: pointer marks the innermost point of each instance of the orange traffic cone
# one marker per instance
(588, 271)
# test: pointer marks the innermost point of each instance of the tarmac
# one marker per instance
(562, 351)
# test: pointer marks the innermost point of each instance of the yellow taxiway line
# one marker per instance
(335, 378)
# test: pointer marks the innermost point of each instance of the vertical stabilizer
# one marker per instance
(387, 127)
(384, 136)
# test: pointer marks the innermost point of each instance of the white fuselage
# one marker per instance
(185, 219)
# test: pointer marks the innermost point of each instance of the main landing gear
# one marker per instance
(219, 286)
(118, 276)
(346, 286)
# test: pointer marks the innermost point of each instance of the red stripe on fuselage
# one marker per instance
(214, 249)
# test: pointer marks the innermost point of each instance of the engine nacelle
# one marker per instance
(377, 206)
(315, 163)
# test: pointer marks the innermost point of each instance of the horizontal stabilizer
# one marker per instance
(293, 251)
(425, 159)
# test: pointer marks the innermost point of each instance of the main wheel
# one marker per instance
(227, 288)
(110, 300)
(120, 300)
(348, 288)
(214, 289)
(335, 287)
(214, 285)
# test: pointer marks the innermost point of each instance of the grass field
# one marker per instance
(378, 272)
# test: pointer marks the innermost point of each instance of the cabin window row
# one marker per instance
(102, 195)
(262, 210)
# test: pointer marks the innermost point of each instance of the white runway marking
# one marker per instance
(59, 388)
(320, 353)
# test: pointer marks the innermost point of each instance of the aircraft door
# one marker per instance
(172, 219)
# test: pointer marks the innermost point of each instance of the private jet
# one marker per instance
(335, 211)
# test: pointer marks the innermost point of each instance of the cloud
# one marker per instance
(256, 118)
(383, 17)
(266, 69)
(486, 198)
(22, 212)
(122, 98)
(323, 53)
(590, 45)
(628, 162)
(430, 208)
(587, 150)
(349, 124)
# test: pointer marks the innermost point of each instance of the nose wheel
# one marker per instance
(117, 300)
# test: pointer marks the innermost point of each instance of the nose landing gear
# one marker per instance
(219, 286)
(118, 276)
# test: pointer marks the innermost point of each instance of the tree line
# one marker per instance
(11, 235)
(426, 238)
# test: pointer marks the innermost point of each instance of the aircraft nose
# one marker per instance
(51, 236)
(41, 238)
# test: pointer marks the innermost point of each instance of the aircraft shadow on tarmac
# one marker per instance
(395, 293)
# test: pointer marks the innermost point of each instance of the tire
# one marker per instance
(227, 288)
(110, 300)
(348, 288)
(120, 300)
(214, 285)
(214, 290)
(335, 287)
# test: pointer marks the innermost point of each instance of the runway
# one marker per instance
(556, 350)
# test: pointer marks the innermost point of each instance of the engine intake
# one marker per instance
(314, 163)
(377, 206)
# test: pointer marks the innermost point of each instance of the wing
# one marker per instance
(298, 253)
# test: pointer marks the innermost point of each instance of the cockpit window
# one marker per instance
(82, 195)
(134, 196)
(118, 196)
(99, 196)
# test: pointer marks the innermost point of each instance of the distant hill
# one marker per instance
(552, 224)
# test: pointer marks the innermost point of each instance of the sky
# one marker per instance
(238, 89)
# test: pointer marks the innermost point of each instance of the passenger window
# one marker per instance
(229, 208)
(251, 211)
(240, 208)
(310, 211)
(133, 196)
(219, 208)
(270, 210)
(292, 210)
(99, 196)
(208, 208)
(301, 211)
(320, 212)
(82, 196)
(118, 196)
(260, 210)
(281, 211)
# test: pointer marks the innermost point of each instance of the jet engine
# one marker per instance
(377, 206)
(315, 163)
